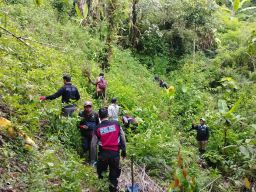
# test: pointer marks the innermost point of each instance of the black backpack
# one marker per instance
(202, 130)
(71, 92)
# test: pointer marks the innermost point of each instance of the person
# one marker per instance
(156, 79)
(69, 94)
(89, 122)
(101, 85)
(163, 84)
(129, 121)
(111, 139)
(202, 135)
(113, 110)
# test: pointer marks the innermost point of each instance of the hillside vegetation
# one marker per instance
(206, 50)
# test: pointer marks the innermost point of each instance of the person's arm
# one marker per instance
(82, 124)
(94, 143)
(122, 143)
(194, 127)
(56, 95)
(110, 113)
(77, 95)
(125, 120)
(97, 119)
(91, 81)
(207, 133)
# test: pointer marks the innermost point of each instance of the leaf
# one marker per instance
(246, 9)
(236, 5)
(236, 105)
(38, 2)
(247, 183)
(242, 3)
(244, 151)
(184, 89)
(222, 106)
(78, 12)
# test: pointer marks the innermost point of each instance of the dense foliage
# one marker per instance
(205, 49)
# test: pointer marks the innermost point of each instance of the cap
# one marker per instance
(203, 119)
(87, 103)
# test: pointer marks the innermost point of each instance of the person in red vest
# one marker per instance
(111, 139)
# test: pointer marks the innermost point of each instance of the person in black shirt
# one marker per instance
(69, 94)
(163, 84)
(89, 122)
(202, 135)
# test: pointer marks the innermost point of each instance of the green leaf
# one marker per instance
(222, 106)
(235, 106)
(184, 89)
(236, 5)
(244, 151)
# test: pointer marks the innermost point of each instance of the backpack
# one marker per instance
(71, 92)
(202, 131)
(102, 83)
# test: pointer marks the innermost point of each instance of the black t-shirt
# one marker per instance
(202, 132)
(68, 92)
(91, 121)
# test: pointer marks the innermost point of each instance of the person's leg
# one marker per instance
(85, 144)
(89, 144)
(102, 166)
(204, 143)
(114, 173)
(200, 146)
(68, 111)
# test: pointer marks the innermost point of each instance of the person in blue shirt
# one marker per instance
(202, 135)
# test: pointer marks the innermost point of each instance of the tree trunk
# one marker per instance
(134, 32)
(112, 8)
(80, 4)
(225, 136)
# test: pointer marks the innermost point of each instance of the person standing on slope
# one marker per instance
(111, 139)
(202, 135)
(89, 122)
(113, 110)
(101, 85)
(69, 94)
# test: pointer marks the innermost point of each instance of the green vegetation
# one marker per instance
(205, 49)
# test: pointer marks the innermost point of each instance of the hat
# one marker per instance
(87, 103)
(203, 119)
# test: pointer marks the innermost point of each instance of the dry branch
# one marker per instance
(140, 176)
(17, 37)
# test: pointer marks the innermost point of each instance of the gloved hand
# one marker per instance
(123, 153)
(93, 164)
(42, 98)
(83, 127)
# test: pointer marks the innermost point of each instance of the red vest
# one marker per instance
(108, 133)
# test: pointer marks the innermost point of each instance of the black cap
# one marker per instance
(101, 74)
(103, 112)
(67, 78)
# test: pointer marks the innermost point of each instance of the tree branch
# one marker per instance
(209, 184)
(17, 37)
